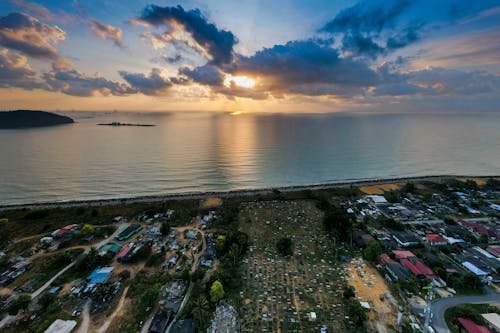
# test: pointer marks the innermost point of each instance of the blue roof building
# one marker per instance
(99, 276)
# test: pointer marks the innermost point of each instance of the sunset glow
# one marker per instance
(240, 81)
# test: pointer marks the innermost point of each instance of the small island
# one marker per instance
(29, 118)
(115, 123)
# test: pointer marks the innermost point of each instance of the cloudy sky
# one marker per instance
(251, 55)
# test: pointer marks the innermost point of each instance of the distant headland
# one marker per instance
(30, 118)
(115, 123)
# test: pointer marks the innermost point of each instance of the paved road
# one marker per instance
(439, 307)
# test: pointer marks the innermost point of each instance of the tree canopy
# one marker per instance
(216, 291)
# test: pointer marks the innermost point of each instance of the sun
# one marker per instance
(240, 81)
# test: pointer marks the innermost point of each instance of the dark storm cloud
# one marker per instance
(72, 82)
(147, 84)
(30, 36)
(440, 81)
(303, 62)
(207, 75)
(217, 43)
(370, 28)
(367, 16)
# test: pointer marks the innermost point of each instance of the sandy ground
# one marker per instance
(479, 181)
(84, 326)
(212, 202)
(380, 189)
(369, 286)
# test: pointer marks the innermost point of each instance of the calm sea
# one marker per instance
(188, 152)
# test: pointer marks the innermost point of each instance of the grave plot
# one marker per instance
(301, 293)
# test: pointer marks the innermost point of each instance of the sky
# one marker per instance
(251, 55)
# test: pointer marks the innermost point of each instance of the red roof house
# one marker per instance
(384, 259)
(472, 327)
(435, 239)
(403, 254)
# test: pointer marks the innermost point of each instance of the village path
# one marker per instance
(87, 248)
(84, 326)
(196, 261)
(108, 321)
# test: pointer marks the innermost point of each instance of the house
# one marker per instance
(160, 321)
(403, 254)
(474, 269)
(436, 239)
(494, 250)
(125, 253)
(405, 239)
(129, 231)
(111, 248)
(492, 321)
(376, 199)
(98, 276)
(46, 240)
(66, 231)
(472, 327)
(61, 326)
(184, 326)
(171, 261)
(395, 271)
(418, 268)
(191, 234)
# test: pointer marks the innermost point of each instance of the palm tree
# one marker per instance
(201, 309)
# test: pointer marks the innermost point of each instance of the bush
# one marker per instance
(37, 214)
(20, 303)
(284, 246)
(372, 251)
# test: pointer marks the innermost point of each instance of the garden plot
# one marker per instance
(298, 294)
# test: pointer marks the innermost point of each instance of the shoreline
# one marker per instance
(227, 194)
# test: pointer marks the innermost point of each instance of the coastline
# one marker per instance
(228, 194)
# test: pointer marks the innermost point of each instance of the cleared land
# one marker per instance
(369, 286)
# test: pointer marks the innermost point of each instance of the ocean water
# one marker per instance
(197, 151)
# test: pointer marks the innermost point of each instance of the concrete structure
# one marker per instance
(376, 199)
(492, 321)
(61, 326)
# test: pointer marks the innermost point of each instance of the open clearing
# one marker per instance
(380, 189)
(369, 287)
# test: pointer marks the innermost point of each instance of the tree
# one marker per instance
(165, 228)
(356, 312)
(284, 246)
(87, 229)
(338, 224)
(372, 251)
(349, 292)
(221, 243)
(216, 292)
(20, 303)
(201, 309)
(409, 188)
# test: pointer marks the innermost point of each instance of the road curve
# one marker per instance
(440, 306)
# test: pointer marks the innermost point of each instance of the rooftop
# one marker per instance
(472, 327)
(61, 326)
